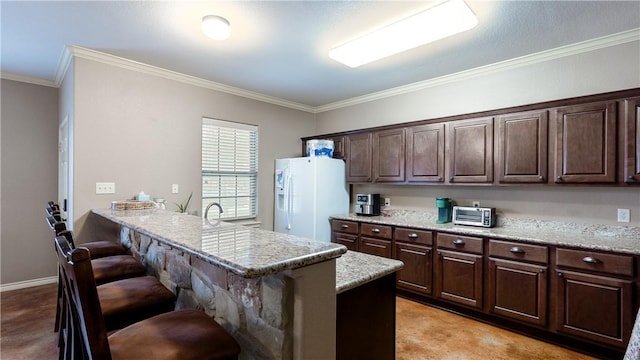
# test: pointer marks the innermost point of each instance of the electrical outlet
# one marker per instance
(105, 188)
(475, 203)
(623, 215)
(174, 188)
(387, 201)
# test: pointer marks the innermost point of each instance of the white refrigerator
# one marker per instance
(307, 191)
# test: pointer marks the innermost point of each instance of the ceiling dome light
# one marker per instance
(216, 27)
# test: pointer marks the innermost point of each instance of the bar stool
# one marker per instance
(98, 249)
(122, 303)
(106, 268)
(181, 334)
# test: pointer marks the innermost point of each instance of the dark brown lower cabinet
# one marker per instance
(518, 290)
(459, 278)
(348, 240)
(593, 307)
(375, 246)
(416, 275)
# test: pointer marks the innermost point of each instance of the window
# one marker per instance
(230, 168)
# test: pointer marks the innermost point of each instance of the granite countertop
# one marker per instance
(623, 239)
(354, 269)
(246, 251)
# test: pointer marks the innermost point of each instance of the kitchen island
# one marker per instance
(278, 295)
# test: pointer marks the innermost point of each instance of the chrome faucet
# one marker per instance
(206, 211)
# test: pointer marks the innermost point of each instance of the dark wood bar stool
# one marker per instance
(182, 334)
(99, 248)
(123, 302)
(106, 268)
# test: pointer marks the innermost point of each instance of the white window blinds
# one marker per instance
(230, 168)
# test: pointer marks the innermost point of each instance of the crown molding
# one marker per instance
(27, 79)
(547, 55)
(76, 51)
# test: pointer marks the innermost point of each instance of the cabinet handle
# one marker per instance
(560, 274)
(541, 271)
(375, 230)
(439, 178)
(451, 179)
(516, 250)
(412, 235)
(590, 260)
(344, 226)
(559, 178)
(458, 242)
(541, 178)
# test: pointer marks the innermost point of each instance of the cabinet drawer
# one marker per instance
(375, 230)
(413, 236)
(349, 227)
(457, 242)
(375, 247)
(348, 240)
(519, 251)
(602, 262)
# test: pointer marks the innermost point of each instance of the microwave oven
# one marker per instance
(474, 216)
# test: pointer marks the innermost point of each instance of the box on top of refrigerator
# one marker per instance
(320, 147)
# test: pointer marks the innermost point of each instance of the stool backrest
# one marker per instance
(56, 226)
(85, 324)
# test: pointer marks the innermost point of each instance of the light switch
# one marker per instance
(623, 215)
(174, 188)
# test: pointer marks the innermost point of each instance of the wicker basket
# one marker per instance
(131, 205)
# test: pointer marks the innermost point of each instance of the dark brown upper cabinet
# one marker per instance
(584, 143)
(521, 146)
(630, 136)
(388, 155)
(470, 150)
(358, 148)
(425, 153)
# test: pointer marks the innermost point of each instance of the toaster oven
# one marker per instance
(474, 216)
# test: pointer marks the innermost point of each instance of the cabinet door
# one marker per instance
(518, 290)
(470, 151)
(584, 146)
(358, 161)
(594, 307)
(459, 278)
(416, 275)
(522, 147)
(425, 153)
(631, 141)
(348, 240)
(375, 247)
(388, 155)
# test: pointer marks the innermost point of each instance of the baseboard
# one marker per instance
(28, 283)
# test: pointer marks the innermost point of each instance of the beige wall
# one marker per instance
(29, 179)
(608, 69)
(143, 133)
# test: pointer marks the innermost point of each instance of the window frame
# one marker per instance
(224, 169)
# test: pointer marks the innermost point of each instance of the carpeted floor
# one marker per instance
(423, 333)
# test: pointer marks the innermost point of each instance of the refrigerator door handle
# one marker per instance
(288, 198)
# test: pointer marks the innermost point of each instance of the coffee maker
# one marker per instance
(368, 204)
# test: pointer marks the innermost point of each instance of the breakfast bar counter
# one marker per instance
(277, 294)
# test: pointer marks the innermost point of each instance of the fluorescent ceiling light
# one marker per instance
(438, 22)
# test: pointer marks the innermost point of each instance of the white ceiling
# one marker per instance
(279, 49)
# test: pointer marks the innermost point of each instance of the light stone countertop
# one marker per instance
(246, 251)
(354, 269)
(623, 239)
